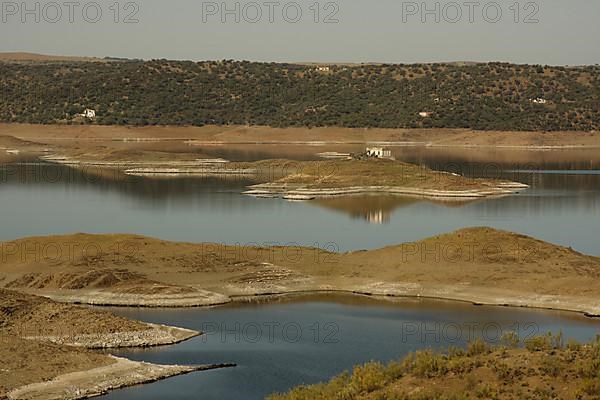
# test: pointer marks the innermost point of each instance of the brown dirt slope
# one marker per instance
(372, 172)
(26, 315)
(261, 134)
(474, 264)
(486, 257)
(39, 361)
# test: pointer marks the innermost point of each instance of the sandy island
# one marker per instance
(305, 180)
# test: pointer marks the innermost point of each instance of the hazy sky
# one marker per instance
(544, 31)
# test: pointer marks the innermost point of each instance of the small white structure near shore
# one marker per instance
(378, 152)
(88, 113)
(539, 100)
(425, 114)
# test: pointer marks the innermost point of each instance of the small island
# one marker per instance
(307, 180)
(299, 180)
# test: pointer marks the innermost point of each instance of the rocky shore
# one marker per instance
(156, 335)
(196, 298)
(284, 191)
(98, 381)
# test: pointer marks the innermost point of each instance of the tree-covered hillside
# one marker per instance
(494, 96)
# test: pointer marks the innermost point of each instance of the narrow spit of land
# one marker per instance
(46, 353)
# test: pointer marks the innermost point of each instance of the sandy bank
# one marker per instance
(275, 190)
(39, 318)
(189, 171)
(156, 335)
(212, 134)
(195, 298)
(460, 293)
(98, 381)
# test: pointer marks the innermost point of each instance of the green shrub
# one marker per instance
(428, 364)
(540, 343)
(368, 377)
(510, 339)
(477, 347)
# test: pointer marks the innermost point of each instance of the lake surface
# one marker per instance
(561, 207)
(280, 345)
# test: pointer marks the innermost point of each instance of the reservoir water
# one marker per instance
(302, 341)
(295, 341)
(560, 207)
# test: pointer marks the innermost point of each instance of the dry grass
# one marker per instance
(261, 134)
(38, 362)
(25, 315)
(478, 264)
(480, 372)
(371, 172)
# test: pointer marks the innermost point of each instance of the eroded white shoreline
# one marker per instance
(99, 381)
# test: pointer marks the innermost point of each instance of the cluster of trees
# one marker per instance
(493, 96)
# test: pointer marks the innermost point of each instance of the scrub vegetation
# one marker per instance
(544, 368)
(486, 96)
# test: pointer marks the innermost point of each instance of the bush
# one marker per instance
(591, 387)
(552, 365)
(368, 377)
(477, 347)
(540, 343)
(427, 364)
(510, 339)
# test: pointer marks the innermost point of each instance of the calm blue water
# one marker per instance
(278, 346)
(562, 206)
(46, 199)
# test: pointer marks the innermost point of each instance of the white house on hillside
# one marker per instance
(378, 152)
(89, 113)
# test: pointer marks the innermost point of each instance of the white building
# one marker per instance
(323, 69)
(539, 100)
(89, 113)
(378, 152)
(425, 114)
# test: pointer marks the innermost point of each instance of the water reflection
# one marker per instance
(374, 209)
(562, 208)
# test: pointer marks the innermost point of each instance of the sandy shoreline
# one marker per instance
(199, 298)
(212, 134)
(386, 291)
(156, 335)
(480, 265)
(98, 381)
(477, 296)
(275, 190)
